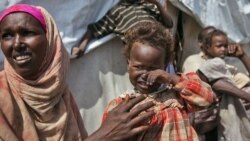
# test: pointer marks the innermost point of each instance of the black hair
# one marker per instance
(203, 33)
(208, 39)
(151, 33)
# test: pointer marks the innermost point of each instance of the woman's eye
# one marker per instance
(28, 33)
(6, 36)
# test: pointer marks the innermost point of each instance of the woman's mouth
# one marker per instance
(22, 59)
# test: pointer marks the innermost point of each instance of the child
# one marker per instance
(193, 62)
(147, 50)
(216, 48)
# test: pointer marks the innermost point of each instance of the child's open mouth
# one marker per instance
(143, 85)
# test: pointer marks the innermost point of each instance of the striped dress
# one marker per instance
(124, 16)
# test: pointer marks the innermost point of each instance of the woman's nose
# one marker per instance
(17, 43)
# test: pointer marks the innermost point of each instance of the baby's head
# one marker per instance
(215, 44)
(147, 48)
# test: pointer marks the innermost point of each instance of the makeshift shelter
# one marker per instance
(101, 74)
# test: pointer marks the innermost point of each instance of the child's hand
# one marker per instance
(158, 76)
(235, 50)
(76, 52)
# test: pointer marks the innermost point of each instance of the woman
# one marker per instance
(35, 102)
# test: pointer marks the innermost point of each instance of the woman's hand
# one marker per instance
(122, 122)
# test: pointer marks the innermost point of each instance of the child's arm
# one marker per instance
(79, 51)
(196, 93)
(166, 18)
(161, 76)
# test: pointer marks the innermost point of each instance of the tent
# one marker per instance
(101, 74)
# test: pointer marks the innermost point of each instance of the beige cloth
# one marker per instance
(43, 109)
(241, 80)
(193, 62)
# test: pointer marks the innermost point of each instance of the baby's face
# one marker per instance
(218, 47)
(143, 59)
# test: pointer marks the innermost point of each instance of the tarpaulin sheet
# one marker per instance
(231, 16)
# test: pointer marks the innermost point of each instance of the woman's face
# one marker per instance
(218, 47)
(23, 42)
(143, 59)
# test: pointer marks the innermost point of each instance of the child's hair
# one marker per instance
(151, 33)
(208, 39)
(204, 32)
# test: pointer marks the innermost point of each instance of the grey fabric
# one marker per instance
(233, 122)
(215, 69)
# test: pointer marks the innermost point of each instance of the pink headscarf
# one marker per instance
(35, 12)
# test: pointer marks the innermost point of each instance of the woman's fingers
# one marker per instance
(122, 122)
(141, 119)
(126, 105)
(140, 108)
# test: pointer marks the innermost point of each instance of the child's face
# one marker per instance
(218, 47)
(144, 58)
